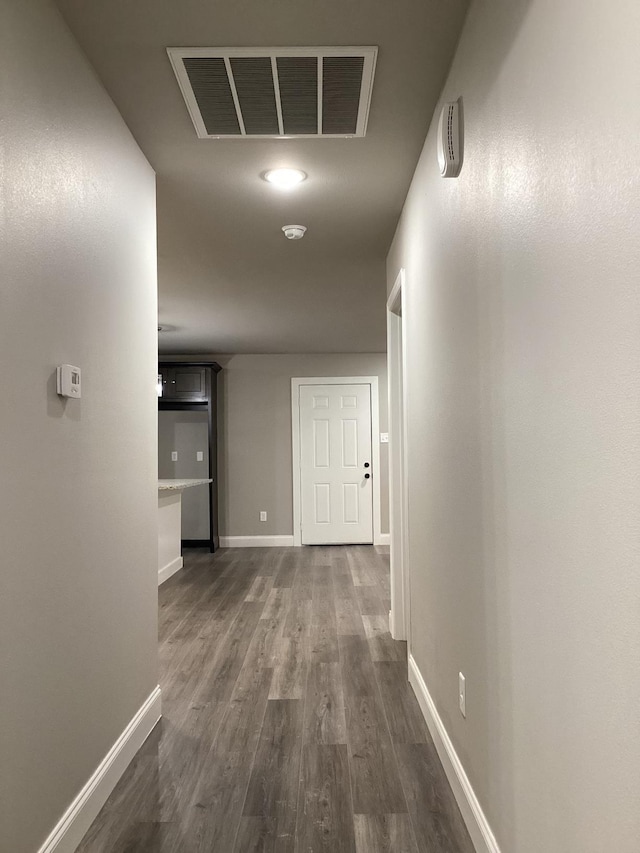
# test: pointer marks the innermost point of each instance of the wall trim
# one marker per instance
(481, 834)
(77, 819)
(296, 382)
(170, 569)
(284, 541)
(384, 539)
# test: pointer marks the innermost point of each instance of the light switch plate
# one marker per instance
(263, 515)
(174, 455)
(199, 456)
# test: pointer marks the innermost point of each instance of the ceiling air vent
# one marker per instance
(276, 92)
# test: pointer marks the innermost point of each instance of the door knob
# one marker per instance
(366, 476)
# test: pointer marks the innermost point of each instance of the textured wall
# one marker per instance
(524, 421)
(254, 417)
(78, 524)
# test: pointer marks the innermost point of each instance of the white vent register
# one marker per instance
(235, 93)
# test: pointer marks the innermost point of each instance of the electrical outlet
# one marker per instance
(263, 515)
(199, 456)
(174, 455)
(462, 694)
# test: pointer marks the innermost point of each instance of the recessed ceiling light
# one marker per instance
(285, 179)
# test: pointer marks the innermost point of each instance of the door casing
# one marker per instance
(400, 613)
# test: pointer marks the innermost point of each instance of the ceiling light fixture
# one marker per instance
(285, 179)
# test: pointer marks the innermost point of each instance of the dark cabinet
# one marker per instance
(193, 387)
(184, 383)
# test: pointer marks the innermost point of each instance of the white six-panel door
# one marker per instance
(335, 459)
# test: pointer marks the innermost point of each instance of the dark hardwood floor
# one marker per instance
(289, 725)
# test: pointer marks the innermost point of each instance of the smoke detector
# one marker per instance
(294, 232)
(449, 147)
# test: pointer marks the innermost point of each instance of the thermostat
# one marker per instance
(68, 381)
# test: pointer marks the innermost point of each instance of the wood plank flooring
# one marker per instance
(289, 725)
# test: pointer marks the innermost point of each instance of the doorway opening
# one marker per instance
(399, 616)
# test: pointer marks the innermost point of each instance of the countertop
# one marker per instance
(178, 485)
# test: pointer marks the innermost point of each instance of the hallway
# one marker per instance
(288, 722)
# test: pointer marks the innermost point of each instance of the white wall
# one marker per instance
(524, 421)
(254, 420)
(78, 479)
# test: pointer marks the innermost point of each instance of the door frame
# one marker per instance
(400, 613)
(296, 382)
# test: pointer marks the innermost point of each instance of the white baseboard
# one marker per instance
(275, 541)
(170, 569)
(256, 541)
(77, 819)
(391, 625)
(481, 835)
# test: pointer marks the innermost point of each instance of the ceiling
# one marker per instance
(229, 281)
